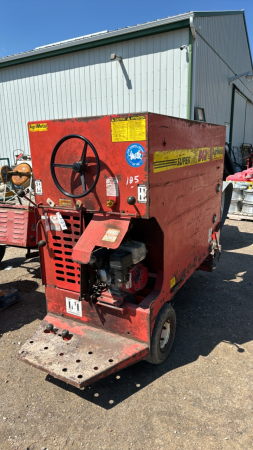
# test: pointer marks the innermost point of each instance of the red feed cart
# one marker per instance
(131, 207)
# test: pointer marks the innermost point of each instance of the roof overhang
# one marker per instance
(111, 37)
(99, 39)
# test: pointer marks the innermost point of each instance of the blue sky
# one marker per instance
(26, 24)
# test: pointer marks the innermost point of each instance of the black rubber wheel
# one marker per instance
(163, 335)
(2, 251)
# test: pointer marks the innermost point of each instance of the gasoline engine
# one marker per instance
(120, 271)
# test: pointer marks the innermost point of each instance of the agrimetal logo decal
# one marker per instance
(38, 127)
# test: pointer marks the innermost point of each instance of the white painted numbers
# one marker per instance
(132, 180)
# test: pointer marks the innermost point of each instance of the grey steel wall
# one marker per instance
(222, 51)
(153, 76)
(227, 36)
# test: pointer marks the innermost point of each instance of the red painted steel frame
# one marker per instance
(176, 222)
(18, 226)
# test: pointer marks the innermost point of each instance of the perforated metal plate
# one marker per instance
(88, 355)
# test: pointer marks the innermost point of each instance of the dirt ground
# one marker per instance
(200, 398)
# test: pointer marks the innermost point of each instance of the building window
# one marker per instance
(199, 114)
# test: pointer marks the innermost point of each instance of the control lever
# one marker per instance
(21, 194)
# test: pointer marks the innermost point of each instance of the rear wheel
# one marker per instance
(163, 335)
(2, 251)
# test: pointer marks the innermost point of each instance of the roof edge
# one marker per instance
(158, 26)
(216, 13)
(224, 13)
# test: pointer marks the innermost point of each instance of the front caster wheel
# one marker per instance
(163, 335)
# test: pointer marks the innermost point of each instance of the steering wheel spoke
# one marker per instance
(65, 166)
(80, 167)
(83, 157)
(83, 182)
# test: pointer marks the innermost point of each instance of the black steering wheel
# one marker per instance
(78, 166)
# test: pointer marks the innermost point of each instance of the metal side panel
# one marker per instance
(89, 354)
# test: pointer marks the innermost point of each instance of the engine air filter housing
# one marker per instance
(136, 248)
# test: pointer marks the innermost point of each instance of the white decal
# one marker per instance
(142, 193)
(47, 222)
(54, 221)
(61, 221)
(112, 188)
(38, 187)
(111, 235)
(73, 307)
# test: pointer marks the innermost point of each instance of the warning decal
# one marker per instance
(55, 224)
(112, 189)
(38, 127)
(111, 235)
(217, 153)
(172, 282)
(125, 129)
(65, 202)
(174, 159)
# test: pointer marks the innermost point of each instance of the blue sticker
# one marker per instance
(135, 155)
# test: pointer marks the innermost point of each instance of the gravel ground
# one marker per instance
(200, 398)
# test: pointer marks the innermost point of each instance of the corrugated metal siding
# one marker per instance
(225, 53)
(227, 36)
(153, 76)
(212, 92)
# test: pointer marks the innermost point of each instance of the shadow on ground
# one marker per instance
(23, 263)
(31, 306)
(233, 239)
(210, 308)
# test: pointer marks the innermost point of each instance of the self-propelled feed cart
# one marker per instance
(130, 207)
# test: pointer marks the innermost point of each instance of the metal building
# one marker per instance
(180, 66)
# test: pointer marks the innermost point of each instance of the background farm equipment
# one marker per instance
(17, 216)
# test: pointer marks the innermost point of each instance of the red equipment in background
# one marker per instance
(131, 207)
(17, 226)
(17, 218)
(245, 175)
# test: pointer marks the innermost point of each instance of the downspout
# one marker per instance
(193, 32)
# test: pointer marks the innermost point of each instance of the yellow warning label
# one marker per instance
(174, 159)
(172, 282)
(38, 127)
(125, 129)
(65, 202)
(217, 153)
